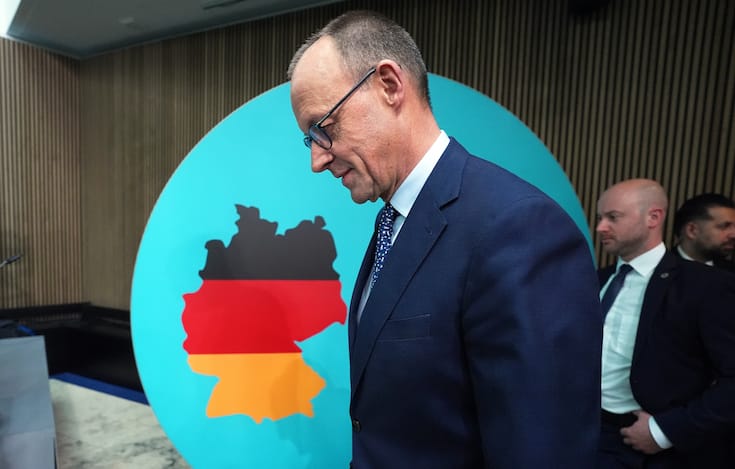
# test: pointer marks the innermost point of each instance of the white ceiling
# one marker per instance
(84, 28)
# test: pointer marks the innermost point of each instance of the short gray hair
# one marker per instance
(363, 38)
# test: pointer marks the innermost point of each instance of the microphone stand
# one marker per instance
(10, 260)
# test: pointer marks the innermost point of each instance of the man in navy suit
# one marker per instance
(668, 353)
(705, 228)
(478, 344)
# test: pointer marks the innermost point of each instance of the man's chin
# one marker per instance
(611, 250)
(723, 254)
(607, 247)
(358, 198)
(361, 198)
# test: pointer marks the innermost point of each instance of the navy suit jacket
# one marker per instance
(724, 264)
(683, 365)
(480, 343)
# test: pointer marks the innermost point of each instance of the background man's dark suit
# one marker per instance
(726, 265)
(683, 367)
(722, 264)
(482, 334)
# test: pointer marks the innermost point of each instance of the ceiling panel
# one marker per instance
(84, 28)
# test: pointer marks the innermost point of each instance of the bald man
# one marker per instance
(668, 350)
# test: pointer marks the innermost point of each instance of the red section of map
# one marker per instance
(259, 316)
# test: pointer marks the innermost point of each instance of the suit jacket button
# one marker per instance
(356, 425)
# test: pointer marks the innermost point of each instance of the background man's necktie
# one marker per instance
(386, 217)
(614, 288)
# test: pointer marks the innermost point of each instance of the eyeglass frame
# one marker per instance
(318, 130)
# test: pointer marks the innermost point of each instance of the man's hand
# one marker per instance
(639, 436)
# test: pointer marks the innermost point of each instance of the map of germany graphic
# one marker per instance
(260, 296)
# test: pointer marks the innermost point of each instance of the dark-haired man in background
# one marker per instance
(705, 229)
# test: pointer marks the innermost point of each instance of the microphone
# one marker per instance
(10, 260)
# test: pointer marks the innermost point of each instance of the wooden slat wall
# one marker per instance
(638, 89)
(40, 213)
(143, 111)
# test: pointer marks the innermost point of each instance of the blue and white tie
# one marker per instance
(386, 217)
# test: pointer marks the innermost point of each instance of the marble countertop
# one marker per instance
(99, 430)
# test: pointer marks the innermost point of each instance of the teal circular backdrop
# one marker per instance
(255, 158)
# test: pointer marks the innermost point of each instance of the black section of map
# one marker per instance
(256, 252)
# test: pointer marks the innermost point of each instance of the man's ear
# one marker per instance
(655, 217)
(691, 230)
(392, 82)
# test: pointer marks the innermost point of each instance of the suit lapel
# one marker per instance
(417, 237)
(653, 299)
(365, 268)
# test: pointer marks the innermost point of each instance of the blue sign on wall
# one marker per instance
(235, 373)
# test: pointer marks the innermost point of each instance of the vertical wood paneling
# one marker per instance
(637, 89)
(39, 177)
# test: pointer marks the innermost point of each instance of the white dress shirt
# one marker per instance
(687, 257)
(619, 334)
(406, 196)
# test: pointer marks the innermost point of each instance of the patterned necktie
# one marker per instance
(614, 288)
(386, 217)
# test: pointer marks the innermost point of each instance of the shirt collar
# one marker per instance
(646, 262)
(686, 256)
(408, 191)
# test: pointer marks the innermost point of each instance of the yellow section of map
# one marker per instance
(260, 385)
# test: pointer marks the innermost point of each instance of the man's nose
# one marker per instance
(320, 158)
(601, 226)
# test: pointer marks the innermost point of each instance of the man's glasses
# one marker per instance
(317, 134)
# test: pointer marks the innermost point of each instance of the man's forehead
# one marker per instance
(318, 74)
(320, 60)
(618, 203)
(611, 199)
(722, 213)
(610, 212)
